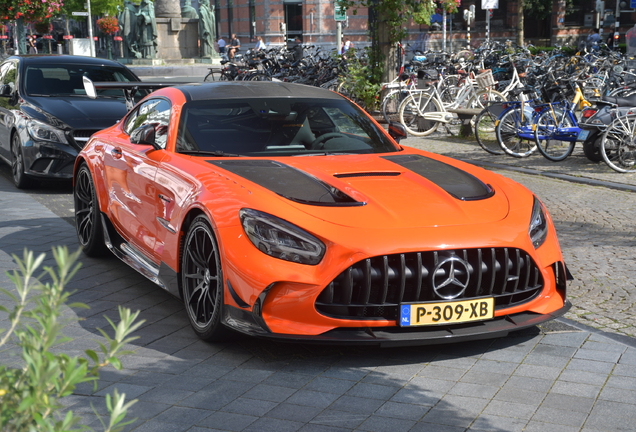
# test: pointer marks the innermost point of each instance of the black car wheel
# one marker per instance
(202, 281)
(90, 231)
(20, 179)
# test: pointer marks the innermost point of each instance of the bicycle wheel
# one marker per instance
(212, 76)
(514, 133)
(258, 76)
(618, 146)
(482, 97)
(548, 135)
(411, 113)
(485, 123)
(390, 105)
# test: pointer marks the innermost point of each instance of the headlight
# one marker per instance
(43, 132)
(280, 239)
(538, 230)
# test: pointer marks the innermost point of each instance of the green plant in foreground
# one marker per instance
(30, 395)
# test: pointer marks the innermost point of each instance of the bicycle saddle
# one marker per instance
(629, 101)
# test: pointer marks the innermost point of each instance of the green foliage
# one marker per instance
(360, 84)
(30, 396)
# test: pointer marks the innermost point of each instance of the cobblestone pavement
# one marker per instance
(595, 225)
(559, 377)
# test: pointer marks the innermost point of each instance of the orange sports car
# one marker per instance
(285, 211)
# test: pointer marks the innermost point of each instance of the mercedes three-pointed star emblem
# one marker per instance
(450, 278)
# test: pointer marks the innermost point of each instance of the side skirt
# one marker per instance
(161, 275)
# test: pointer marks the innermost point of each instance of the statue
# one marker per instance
(207, 29)
(128, 26)
(147, 30)
(187, 11)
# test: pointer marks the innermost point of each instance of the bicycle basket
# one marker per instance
(485, 79)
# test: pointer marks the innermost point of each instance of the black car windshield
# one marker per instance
(278, 126)
(66, 80)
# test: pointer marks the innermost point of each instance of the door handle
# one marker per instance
(116, 152)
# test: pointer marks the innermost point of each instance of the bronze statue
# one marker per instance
(188, 12)
(207, 29)
(128, 26)
(147, 29)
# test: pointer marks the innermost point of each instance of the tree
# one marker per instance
(538, 9)
(386, 28)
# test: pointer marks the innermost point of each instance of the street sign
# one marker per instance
(79, 13)
(490, 4)
(339, 13)
(632, 4)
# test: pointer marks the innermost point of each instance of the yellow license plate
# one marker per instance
(434, 313)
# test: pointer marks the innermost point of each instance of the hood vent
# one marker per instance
(369, 174)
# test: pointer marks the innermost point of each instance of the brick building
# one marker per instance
(313, 21)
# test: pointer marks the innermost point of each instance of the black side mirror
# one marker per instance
(397, 131)
(145, 135)
(5, 90)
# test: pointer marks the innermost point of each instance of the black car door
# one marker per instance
(8, 78)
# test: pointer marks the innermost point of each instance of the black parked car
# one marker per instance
(45, 115)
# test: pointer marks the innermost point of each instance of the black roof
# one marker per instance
(254, 89)
(52, 59)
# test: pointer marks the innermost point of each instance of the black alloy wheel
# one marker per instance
(202, 281)
(90, 232)
(20, 179)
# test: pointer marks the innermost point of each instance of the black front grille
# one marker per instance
(374, 287)
(81, 136)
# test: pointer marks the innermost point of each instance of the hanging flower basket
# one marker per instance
(450, 6)
(108, 25)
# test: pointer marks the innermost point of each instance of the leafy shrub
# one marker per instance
(30, 395)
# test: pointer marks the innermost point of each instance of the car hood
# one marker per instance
(406, 190)
(77, 112)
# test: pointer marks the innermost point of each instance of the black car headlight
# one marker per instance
(280, 239)
(43, 132)
(538, 229)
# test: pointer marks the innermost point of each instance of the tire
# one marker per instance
(90, 231)
(391, 104)
(202, 281)
(485, 125)
(409, 114)
(618, 146)
(20, 179)
(482, 97)
(259, 76)
(209, 77)
(545, 136)
(592, 147)
(508, 129)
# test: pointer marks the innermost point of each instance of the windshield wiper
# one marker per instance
(216, 153)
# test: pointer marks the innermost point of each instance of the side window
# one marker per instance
(8, 74)
(152, 111)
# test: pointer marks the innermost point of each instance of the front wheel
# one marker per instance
(485, 123)
(514, 132)
(548, 135)
(412, 110)
(20, 179)
(592, 147)
(202, 281)
(618, 146)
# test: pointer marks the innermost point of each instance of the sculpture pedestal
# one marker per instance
(178, 38)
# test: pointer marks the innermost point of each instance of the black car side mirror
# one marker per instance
(145, 135)
(5, 90)
(397, 131)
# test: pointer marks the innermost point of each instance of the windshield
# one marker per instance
(66, 80)
(284, 126)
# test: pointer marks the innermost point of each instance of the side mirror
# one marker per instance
(144, 135)
(5, 90)
(397, 131)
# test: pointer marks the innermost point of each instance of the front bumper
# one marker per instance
(48, 160)
(245, 322)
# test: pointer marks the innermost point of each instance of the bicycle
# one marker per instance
(422, 112)
(618, 144)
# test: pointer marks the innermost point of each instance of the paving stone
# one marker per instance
(493, 423)
(576, 389)
(312, 398)
(269, 393)
(602, 356)
(227, 421)
(298, 413)
(538, 426)
(543, 372)
(372, 391)
(356, 404)
(511, 409)
(267, 424)
(402, 410)
(182, 415)
(331, 417)
(590, 366)
(474, 390)
(376, 423)
(330, 385)
(618, 395)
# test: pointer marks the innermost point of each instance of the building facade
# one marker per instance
(278, 21)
